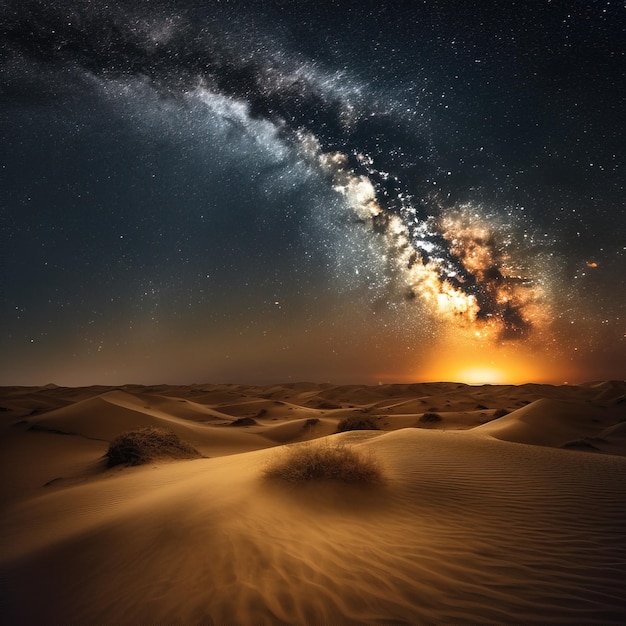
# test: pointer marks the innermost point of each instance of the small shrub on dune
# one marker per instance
(430, 418)
(500, 413)
(136, 447)
(244, 421)
(356, 422)
(314, 462)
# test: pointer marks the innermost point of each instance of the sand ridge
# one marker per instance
(480, 519)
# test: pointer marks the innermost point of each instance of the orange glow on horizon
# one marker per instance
(467, 358)
(482, 376)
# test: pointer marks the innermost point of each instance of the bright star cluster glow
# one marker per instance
(460, 267)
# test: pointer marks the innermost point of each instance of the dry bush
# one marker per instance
(136, 447)
(430, 418)
(356, 422)
(499, 413)
(315, 462)
(244, 421)
(328, 405)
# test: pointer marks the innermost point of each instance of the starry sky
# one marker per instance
(345, 191)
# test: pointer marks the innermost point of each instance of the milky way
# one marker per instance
(376, 163)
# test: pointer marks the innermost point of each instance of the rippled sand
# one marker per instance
(480, 520)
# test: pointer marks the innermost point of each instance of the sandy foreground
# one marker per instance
(481, 519)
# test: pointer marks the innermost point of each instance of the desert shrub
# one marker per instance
(136, 447)
(328, 405)
(500, 413)
(356, 422)
(430, 418)
(244, 421)
(312, 421)
(315, 462)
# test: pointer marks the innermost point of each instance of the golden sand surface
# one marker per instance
(509, 508)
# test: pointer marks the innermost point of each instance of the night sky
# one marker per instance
(345, 191)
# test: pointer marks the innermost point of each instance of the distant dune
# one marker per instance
(508, 508)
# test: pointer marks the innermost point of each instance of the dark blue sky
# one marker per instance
(253, 192)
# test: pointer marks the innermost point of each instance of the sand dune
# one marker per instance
(505, 522)
(549, 422)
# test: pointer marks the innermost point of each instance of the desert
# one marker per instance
(312, 312)
(495, 504)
